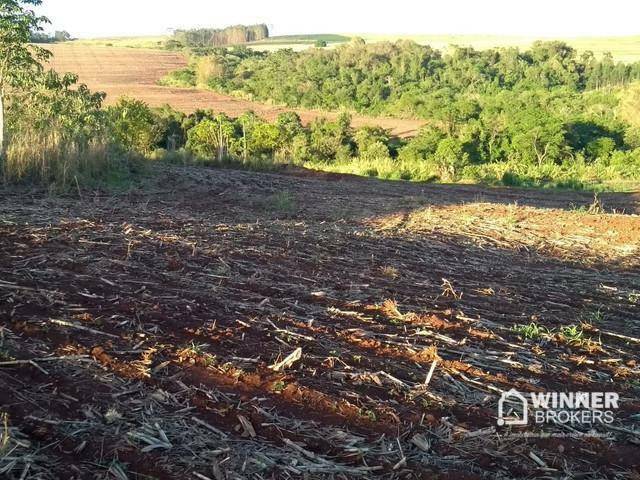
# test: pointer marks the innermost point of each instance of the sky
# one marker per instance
(542, 18)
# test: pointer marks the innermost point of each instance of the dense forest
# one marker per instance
(405, 78)
(211, 37)
(500, 114)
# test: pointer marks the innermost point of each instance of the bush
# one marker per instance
(57, 133)
(450, 158)
(179, 78)
(133, 126)
(372, 143)
(203, 140)
(331, 141)
(209, 70)
(601, 148)
(511, 179)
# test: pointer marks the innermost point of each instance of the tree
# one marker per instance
(210, 139)
(134, 126)
(203, 139)
(18, 59)
(58, 102)
(450, 158)
(538, 136)
(62, 36)
(331, 140)
(372, 143)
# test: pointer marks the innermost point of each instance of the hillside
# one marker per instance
(134, 72)
(221, 323)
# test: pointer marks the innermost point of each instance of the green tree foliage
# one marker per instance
(58, 36)
(536, 136)
(293, 139)
(214, 138)
(450, 159)
(19, 60)
(405, 78)
(56, 128)
(170, 128)
(203, 139)
(372, 143)
(331, 140)
(537, 110)
(58, 131)
(55, 101)
(134, 126)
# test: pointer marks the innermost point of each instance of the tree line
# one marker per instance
(574, 128)
(56, 37)
(404, 78)
(500, 113)
(211, 37)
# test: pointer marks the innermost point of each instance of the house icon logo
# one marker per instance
(513, 396)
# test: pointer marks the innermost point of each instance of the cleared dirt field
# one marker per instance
(135, 72)
(141, 334)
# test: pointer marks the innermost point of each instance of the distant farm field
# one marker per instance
(120, 71)
(623, 49)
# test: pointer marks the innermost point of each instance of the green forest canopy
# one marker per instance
(544, 108)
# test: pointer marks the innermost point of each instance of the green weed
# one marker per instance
(572, 334)
(532, 331)
(282, 202)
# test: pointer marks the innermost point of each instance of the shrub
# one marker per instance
(450, 158)
(213, 139)
(511, 179)
(372, 143)
(179, 78)
(57, 133)
(203, 140)
(330, 141)
(601, 148)
(133, 126)
(209, 69)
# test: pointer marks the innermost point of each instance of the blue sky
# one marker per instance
(566, 18)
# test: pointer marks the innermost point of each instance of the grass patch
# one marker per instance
(572, 334)
(282, 202)
(49, 158)
(532, 331)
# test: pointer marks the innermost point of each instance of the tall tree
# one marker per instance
(18, 58)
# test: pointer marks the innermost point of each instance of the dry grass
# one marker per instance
(50, 158)
(587, 230)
